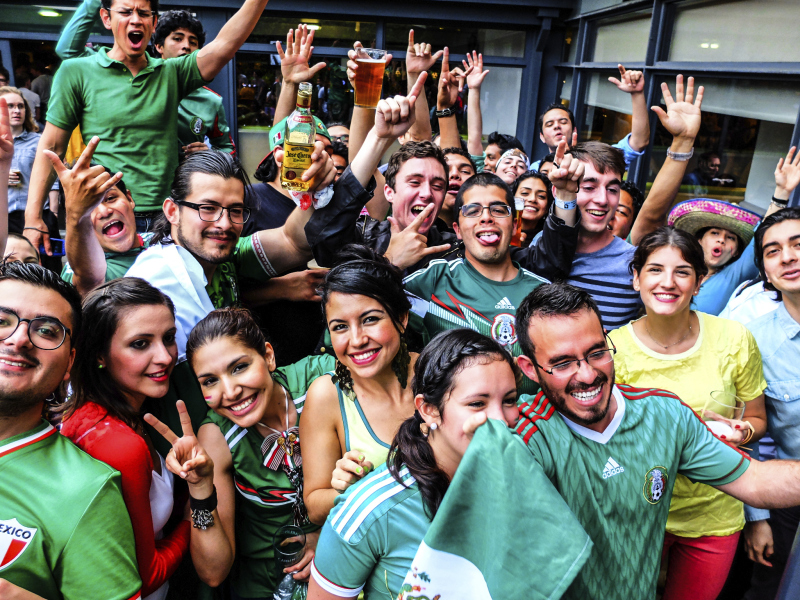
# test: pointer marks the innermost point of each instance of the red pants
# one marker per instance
(698, 567)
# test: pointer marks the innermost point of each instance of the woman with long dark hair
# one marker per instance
(535, 191)
(691, 354)
(376, 527)
(245, 467)
(127, 358)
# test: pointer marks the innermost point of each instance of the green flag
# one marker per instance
(502, 531)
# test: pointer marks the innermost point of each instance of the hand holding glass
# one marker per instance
(369, 76)
(719, 412)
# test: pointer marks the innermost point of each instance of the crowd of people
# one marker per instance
(630, 351)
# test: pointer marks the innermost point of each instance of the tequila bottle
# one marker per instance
(299, 139)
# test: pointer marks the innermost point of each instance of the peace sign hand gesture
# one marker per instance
(187, 459)
(682, 118)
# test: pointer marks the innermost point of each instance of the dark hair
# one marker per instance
(361, 271)
(153, 5)
(559, 106)
(548, 300)
(16, 236)
(689, 247)
(740, 245)
(504, 142)
(38, 276)
(461, 152)
(339, 149)
(411, 150)
(435, 372)
(604, 158)
(237, 323)
(103, 307)
(548, 187)
(337, 124)
(211, 162)
(267, 169)
(706, 157)
(172, 20)
(4, 73)
(484, 179)
(785, 214)
(551, 158)
(636, 195)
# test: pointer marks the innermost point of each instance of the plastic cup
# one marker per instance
(369, 76)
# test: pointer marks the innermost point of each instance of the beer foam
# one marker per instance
(370, 60)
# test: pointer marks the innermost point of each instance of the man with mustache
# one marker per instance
(613, 451)
(61, 511)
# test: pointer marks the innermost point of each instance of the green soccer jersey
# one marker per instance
(371, 536)
(117, 263)
(64, 529)
(265, 496)
(200, 116)
(619, 482)
(452, 294)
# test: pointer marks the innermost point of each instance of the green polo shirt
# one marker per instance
(136, 118)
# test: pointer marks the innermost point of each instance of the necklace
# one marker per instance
(668, 345)
(286, 398)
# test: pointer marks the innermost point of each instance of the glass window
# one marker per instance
(500, 95)
(608, 111)
(40, 19)
(571, 45)
(340, 34)
(622, 40)
(460, 40)
(566, 87)
(748, 30)
(747, 124)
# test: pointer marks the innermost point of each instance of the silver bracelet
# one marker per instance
(682, 156)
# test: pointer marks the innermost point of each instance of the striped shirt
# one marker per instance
(371, 537)
(605, 275)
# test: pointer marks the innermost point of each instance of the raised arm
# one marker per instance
(294, 68)
(84, 187)
(54, 139)
(787, 178)
(474, 115)
(449, 87)
(6, 154)
(632, 82)
(72, 41)
(233, 34)
(419, 60)
(682, 120)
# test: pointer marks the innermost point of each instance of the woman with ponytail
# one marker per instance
(351, 416)
(376, 527)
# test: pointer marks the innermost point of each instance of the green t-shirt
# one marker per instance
(136, 118)
(619, 483)
(265, 497)
(117, 263)
(202, 115)
(371, 536)
(64, 528)
(452, 294)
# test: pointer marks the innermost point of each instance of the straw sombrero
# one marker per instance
(697, 214)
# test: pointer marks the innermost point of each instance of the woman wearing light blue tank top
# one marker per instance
(351, 416)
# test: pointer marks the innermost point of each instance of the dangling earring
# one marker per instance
(424, 429)
(342, 377)
(401, 361)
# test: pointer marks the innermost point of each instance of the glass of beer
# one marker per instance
(369, 76)
(722, 405)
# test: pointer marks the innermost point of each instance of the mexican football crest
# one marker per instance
(14, 540)
(655, 484)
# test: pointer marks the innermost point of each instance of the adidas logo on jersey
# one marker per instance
(612, 468)
(505, 304)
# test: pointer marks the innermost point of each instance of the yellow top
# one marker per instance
(358, 435)
(725, 357)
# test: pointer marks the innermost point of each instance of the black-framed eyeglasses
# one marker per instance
(568, 368)
(473, 211)
(341, 138)
(127, 13)
(46, 333)
(212, 213)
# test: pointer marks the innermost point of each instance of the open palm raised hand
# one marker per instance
(682, 117)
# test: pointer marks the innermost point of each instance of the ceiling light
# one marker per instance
(313, 27)
(714, 46)
(48, 12)
(704, 45)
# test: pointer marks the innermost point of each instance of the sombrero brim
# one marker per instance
(694, 215)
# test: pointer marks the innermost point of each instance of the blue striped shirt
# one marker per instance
(605, 275)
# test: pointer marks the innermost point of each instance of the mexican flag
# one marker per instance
(503, 532)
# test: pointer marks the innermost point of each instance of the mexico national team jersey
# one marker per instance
(64, 529)
(371, 536)
(450, 295)
(619, 482)
(264, 496)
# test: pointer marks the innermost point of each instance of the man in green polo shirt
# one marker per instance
(130, 100)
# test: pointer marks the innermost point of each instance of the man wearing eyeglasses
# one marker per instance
(130, 101)
(613, 451)
(60, 510)
(482, 290)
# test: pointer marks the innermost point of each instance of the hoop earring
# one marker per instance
(401, 361)
(342, 377)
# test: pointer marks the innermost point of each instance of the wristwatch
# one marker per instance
(202, 511)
